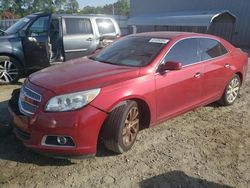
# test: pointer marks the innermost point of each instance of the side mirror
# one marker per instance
(170, 65)
(22, 33)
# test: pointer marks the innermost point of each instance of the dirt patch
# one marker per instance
(208, 147)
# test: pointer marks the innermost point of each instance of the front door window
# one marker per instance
(39, 27)
(185, 52)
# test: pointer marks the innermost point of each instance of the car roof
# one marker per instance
(74, 15)
(173, 34)
(82, 15)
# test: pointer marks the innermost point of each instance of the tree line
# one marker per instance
(21, 8)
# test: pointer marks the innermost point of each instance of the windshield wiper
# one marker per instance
(92, 58)
(102, 61)
(107, 62)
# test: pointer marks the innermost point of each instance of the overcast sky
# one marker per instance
(84, 3)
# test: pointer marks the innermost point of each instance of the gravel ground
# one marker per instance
(208, 147)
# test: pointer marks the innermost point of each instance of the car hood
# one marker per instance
(81, 74)
(7, 37)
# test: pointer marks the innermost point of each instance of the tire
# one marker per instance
(122, 127)
(10, 70)
(231, 92)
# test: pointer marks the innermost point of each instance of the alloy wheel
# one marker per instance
(233, 90)
(8, 71)
(131, 126)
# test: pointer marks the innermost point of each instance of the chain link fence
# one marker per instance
(5, 24)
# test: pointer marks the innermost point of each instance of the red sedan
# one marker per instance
(133, 84)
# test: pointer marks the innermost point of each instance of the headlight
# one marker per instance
(71, 101)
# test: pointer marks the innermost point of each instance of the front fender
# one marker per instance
(136, 89)
(12, 47)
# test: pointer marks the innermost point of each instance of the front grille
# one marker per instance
(28, 101)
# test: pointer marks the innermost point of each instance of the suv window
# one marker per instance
(39, 27)
(210, 48)
(185, 52)
(76, 26)
(105, 26)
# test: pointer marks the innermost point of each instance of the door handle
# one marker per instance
(227, 65)
(89, 39)
(32, 39)
(197, 75)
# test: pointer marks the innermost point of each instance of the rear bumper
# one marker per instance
(82, 126)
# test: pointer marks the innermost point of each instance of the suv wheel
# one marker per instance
(9, 70)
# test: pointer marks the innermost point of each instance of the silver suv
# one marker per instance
(74, 36)
(41, 39)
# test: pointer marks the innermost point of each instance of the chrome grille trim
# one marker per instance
(22, 110)
(32, 91)
(26, 97)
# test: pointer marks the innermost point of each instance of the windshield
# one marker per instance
(133, 51)
(18, 25)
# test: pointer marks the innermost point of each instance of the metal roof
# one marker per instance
(194, 18)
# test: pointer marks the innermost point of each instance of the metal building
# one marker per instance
(226, 18)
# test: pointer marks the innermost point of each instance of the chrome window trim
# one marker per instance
(206, 60)
(202, 61)
(51, 145)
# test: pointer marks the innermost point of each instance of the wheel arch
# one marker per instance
(145, 118)
(13, 56)
(241, 76)
(143, 106)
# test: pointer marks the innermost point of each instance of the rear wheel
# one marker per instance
(122, 127)
(231, 92)
(9, 70)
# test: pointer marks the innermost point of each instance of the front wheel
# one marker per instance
(9, 70)
(122, 127)
(231, 92)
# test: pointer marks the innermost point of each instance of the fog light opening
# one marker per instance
(57, 141)
(61, 140)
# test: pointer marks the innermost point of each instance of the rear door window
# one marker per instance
(105, 26)
(185, 52)
(76, 26)
(210, 48)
